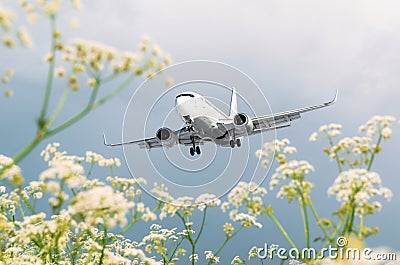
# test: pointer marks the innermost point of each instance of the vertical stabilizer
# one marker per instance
(233, 110)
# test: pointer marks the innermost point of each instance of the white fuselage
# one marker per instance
(204, 115)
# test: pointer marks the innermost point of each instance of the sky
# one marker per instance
(297, 52)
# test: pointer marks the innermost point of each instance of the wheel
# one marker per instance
(198, 151)
(238, 142)
(191, 151)
(232, 143)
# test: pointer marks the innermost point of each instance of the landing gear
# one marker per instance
(194, 149)
(238, 142)
(232, 143)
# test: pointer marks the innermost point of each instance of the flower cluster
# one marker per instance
(276, 148)
(102, 63)
(49, 7)
(245, 203)
(7, 19)
(101, 205)
(164, 242)
(356, 151)
(5, 79)
(378, 125)
(358, 186)
(210, 256)
(292, 170)
(13, 172)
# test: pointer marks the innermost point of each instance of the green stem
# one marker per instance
(336, 154)
(22, 154)
(189, 236)
(304, 216)
(227, 238)
(91, 105)
(59, 106)
(373, 154)
(283, 231)
(334, 233)
(361, 227)
(104, 244)
(318, 219)
(50, 74)
(176, 248)
(126, 229)
(202, 225)
(353, 211)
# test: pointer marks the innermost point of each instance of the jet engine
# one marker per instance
(166, 136)
(242, 120)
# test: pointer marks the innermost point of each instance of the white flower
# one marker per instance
(237, 260)
(386, 132)
(313, 137)
(361, 185)
(13, 173)
(194, 257)
(211, 256)
(247, 220)
(207, 199)
(323, 128)
(101, 205)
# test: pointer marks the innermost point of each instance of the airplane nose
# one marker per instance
(179, 99)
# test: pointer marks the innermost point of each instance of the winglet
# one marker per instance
(233, 110)
(105, 140)
(333, 101)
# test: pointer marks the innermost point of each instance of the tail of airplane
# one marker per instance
(233, 110)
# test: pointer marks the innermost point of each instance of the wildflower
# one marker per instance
(59, 72)
(358, 186)
(194, 257)
(209, 255)
(378, 124)
(13, 173)
(237, 260)
(9, 72)
(6, 16)
(5, 79)
(313, 137)
(24, 37)
(92, 82)
(386, 133)
(247, 220)
(156, 50)
(8, 42)
(101, 205)
(253, 252)
(48, 57)
(228, 229)
(207, 199)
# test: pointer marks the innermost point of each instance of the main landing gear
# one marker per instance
(232, 143)
(194, 149)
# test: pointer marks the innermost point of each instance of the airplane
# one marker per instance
(204, 122)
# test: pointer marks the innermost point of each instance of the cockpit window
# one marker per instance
(185, 95)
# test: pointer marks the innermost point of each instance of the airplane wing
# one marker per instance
(283, 119)
(181, 136)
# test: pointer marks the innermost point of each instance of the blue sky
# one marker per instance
(298, 53)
